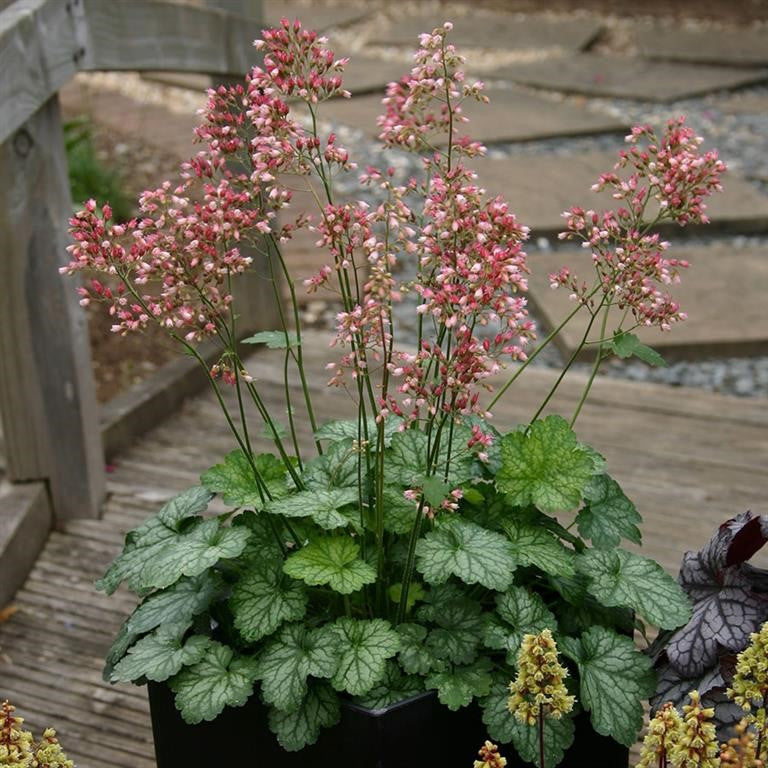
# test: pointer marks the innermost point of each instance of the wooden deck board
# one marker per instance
(689, 459)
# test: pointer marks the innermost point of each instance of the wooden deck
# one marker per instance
(689, 459)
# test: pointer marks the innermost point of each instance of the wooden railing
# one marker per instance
(47, 402)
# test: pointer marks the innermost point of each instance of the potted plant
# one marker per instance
(384, 576)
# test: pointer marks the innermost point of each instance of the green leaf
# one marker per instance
(151, 538)
(463, 549)
(332, 561)
(218, 680)
(628, 345)
(608, 515)
(614, 679)
(342, 430)
(534, 545)
(621, 578)
(407, 457)
(274, 339)
(262, 544)
(413, 656)
(435, 490)
(459, 625)
(192, 553)
(161, 654)
(497, 718)
(321, 505)
(415, 593)
(120, 645)
(263, 598)
(294, 655)
(393, 688)
(458, 686)
(547, 467)
(399, 513)
(179, 603)
(301, 727)
(524, 612)
(365, 646)
(336, 468)
(558, 737)
(235, 479)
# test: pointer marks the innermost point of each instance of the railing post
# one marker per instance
(47, 400)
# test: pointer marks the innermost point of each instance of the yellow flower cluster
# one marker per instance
(750, 683)
(539, 688)
(18, 748)
(741, 750)
(662, 736)
(490, 757)
(697, 746)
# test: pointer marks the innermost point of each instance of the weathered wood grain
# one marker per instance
(145, 34)
(47, 398)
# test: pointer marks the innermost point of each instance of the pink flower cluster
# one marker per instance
(425, 105)
(185, 243)
(668, 182)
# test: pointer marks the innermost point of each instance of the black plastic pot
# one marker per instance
(417, 733)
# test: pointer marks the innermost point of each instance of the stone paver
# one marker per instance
(540, 187)
(510, 116)
(721, 46)
(723, 292)
(596, 75)
(496, 31)
(319, 16)
(365, 74)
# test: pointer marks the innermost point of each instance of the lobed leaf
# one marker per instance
(626, 345)
(393, 688)
(533, 545)
(160, 654)
(322, 506)
(151, 538)
(621, 578)
(235, 479)
(219, 679)
(364, 647)
(290, 659)
(459, 685)
(463, 549)
(614, 679)
(274, 339)
(332, 561)
(608, 515)
(547, 467)
(263, 598)
(298, 728)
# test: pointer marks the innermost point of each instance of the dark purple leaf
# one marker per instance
(727, 607)
(723, 619)
(711, 685)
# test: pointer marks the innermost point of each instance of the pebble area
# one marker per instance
(742, 140)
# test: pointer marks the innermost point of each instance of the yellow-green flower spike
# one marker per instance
(741, 750)
(539, 686)
(749, 688)
(697, 746)
(490, 757)
(16, 745)
(49, 753)
(662, 736)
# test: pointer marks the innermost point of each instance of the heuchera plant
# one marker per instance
(413, 546)
(730, 601)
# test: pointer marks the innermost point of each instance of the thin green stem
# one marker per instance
(536, 352)
(566, 367)
(599, 357)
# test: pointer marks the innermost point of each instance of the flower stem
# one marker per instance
(595, 368)
(541, 736)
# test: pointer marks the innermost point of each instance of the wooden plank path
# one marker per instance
(688, 458)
